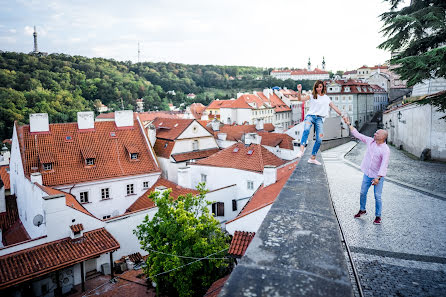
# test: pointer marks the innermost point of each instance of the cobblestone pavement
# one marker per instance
(406, 254)
(403, 167)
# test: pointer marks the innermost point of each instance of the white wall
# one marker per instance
(226, 195)
(119, 201)
(185, 145)
(250, 222)
(219, 177)
(429, 86)
(194, 130)
(422, 129)
(282, 153)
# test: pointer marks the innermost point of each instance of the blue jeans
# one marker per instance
(318, 122)
(378, 189)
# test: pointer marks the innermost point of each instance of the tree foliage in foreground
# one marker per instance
(417, 33)
(183, 227)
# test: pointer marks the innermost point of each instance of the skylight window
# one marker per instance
(176, 125)
(235, 150)
(89, 161)
(68, 138)
(250, 152)
(134, 156)
(113, 134)
(47, 166)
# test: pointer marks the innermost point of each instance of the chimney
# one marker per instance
(215, 124)
(151, 130)
(239, 95)
(247, 140)
(269, 175)
(259, 124)
(266, 92)
(184, 177)
(124, 118)
(85, 120)
(161, 190)
(222, 136)
(38, 122)
(254, 138)
(36, 177)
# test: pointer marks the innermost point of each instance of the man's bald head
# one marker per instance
(380, 135)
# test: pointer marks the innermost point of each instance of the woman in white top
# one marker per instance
(319, 107)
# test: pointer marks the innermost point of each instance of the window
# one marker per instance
(89, 161)
(134, 156)
(218, 209)
(250, 185)
(203, 178)
(350, 108)
(47, 166)
(195, 145)
(106, 217)
(234, 205)
(105, 193)
(83, 196)
(145, 184)
(130, 189)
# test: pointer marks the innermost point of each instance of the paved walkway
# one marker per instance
(406, 255)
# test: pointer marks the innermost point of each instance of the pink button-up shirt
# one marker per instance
(376, 157)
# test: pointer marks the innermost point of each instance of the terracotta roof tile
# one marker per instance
(273, 139)
(197, 110)
(253, 158)
(151, 115)
(77, 228)
(112, 159)
(239, 103)
(217, 104)
(194, 155)
(276, 102)
(216, 287)
(11, 215)
(240, 242)
(163, 148)
(39, 260)
(16, 233)
(4, 175)
(235, 133)
(144, 202)
(170, 128)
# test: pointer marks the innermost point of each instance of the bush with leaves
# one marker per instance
(182, 232)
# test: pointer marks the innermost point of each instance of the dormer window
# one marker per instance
(47, 166)
(89, 161)
(134, 156)
(133, 151)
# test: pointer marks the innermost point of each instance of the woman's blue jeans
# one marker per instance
(378, 189)
(318, 122)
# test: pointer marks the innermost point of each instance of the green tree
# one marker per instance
(417, 33)
(183, 227)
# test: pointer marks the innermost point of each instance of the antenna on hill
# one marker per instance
(138, 52)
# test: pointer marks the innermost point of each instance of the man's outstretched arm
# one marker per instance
(355, 132)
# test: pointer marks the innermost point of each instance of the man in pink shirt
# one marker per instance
(374, 167)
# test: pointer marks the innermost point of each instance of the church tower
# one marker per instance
(35, 41)
(323, 63)
(309, 65)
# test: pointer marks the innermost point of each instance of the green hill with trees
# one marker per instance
(61, 85)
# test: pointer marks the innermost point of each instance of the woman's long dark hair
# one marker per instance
(317, 83)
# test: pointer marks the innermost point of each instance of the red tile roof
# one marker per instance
(276, 102)
(112, 158)
(144, 202)
(194, 155)
(239, 156)
(151, 115)
(77, 228)
(4, 175)
(10, 224)
(29, 263)
(170, 128)
(163, 147)
(216, 287)
(253, 99)
(308, 72)
(239, 103)
(265, 196)
(273, 139)
(240, 242)
(16, 233)
(217, 104)
(197, 110)
(234, 133)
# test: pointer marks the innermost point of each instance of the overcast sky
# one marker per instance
(265, 33)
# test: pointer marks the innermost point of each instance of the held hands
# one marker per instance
(299, 88)
(346, 120)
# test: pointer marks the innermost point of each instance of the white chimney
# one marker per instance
(2, 198)
(151, 130)
(269, 175)
(161, 190)
(259, 124)
(184, 177)
(266, 92)
(239, 94)
(124, 118)
(85, 120)
(36, 177)
(248, 140)
(215, 124)
(38, 122)
(222, 136)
